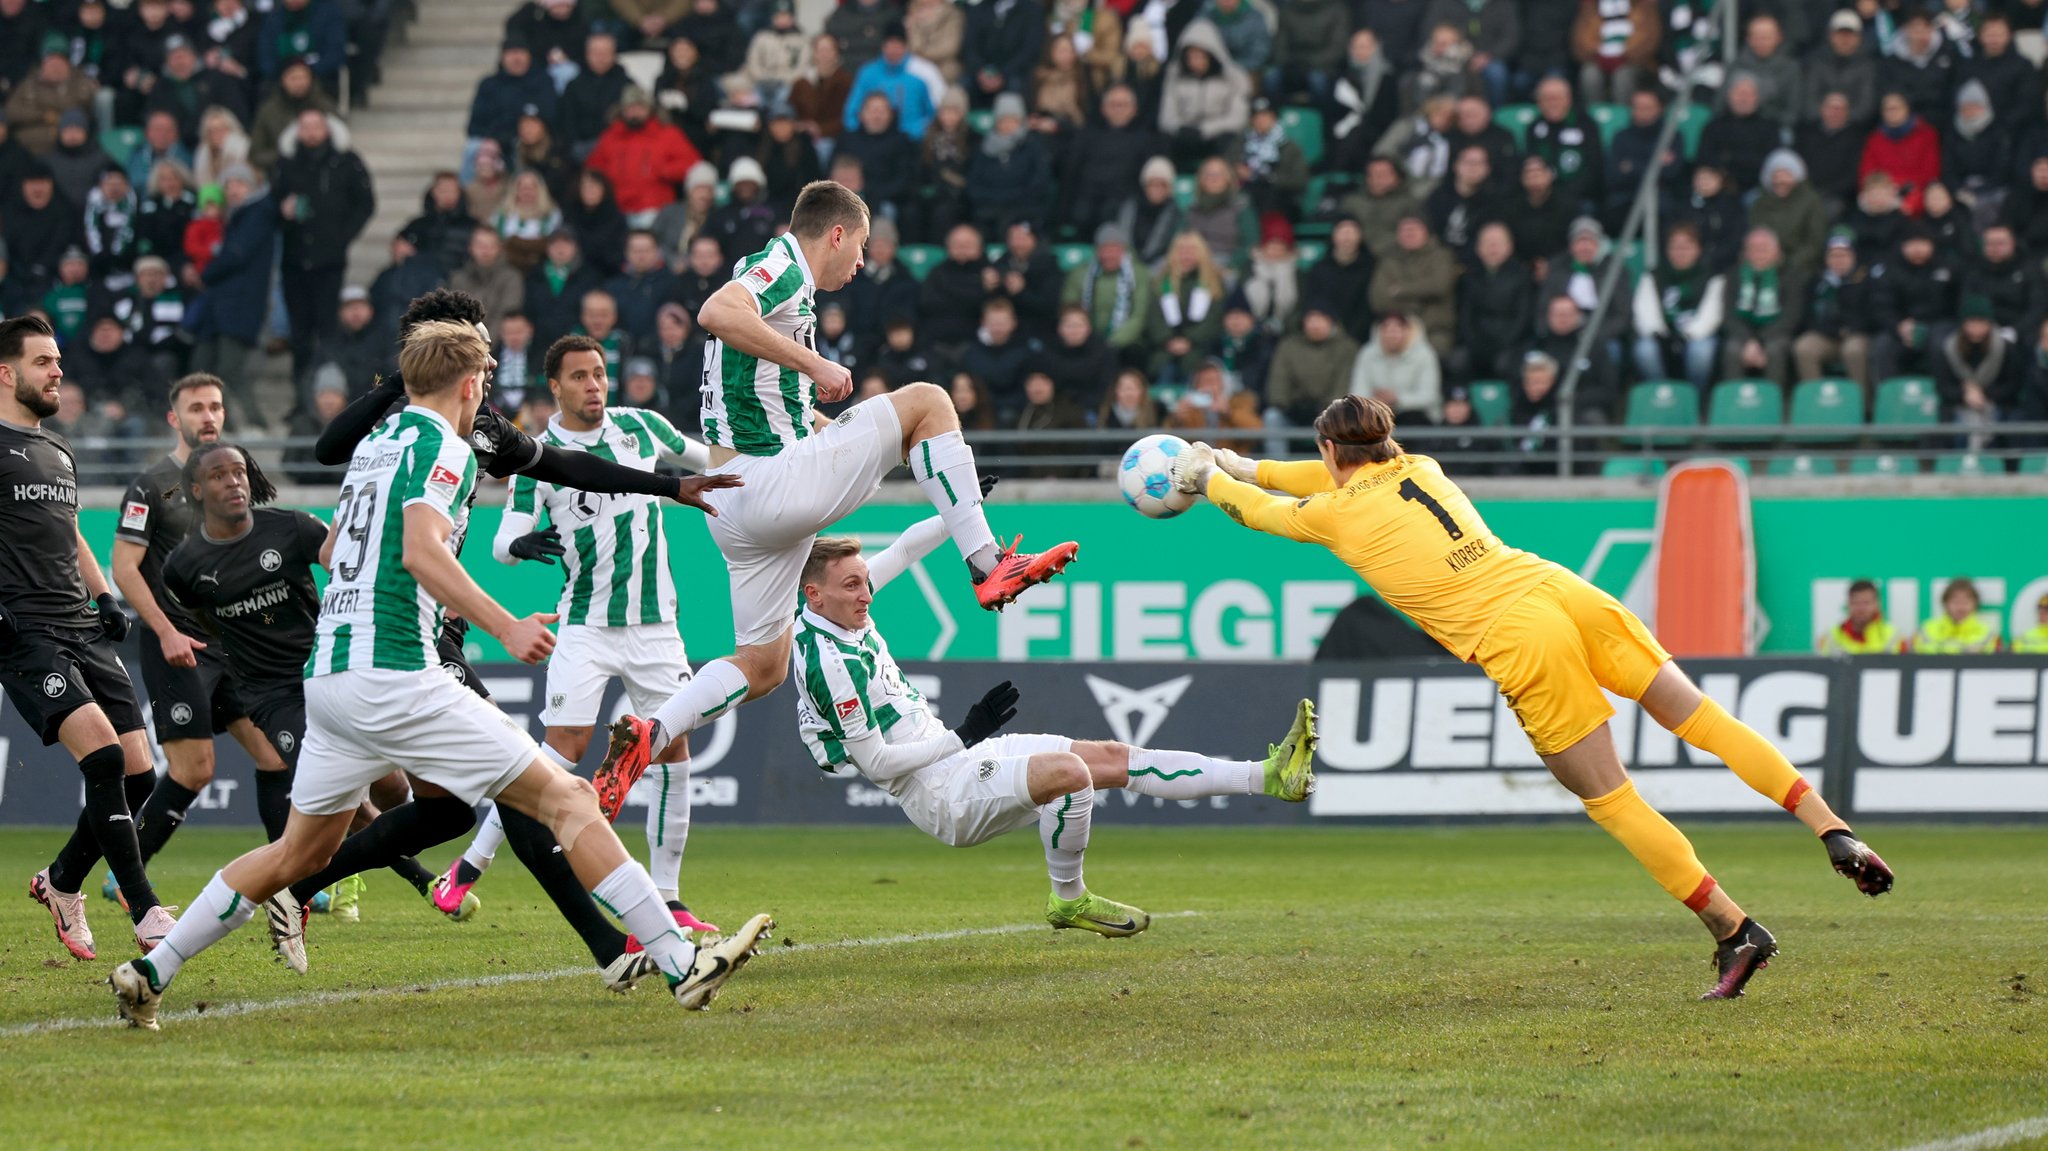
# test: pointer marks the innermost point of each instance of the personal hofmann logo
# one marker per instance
(1148, 706)
(181, 713)
(987, 768)
(53, 685)
(270, 560)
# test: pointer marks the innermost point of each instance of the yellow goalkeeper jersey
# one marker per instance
(1406, 529)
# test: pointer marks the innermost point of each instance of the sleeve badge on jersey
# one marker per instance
(762, 274)
(134, 515)
(444, 476)
(847, 708)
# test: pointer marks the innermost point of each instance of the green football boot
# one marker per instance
(346, 899)
(1091, 912)
(1291, 763)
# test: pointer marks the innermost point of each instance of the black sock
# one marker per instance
(466, 872)
(106, 801)
(404, 830)
(161, 813)
(274, 801)
(536, 848)
(409, 869)
(75, 860)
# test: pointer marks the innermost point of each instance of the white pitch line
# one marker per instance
(1990, 1137)
(321, 998)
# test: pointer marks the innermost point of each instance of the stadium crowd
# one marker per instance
(1211, 215)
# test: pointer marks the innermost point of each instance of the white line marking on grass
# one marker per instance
(1990, 1137)
(322, 998)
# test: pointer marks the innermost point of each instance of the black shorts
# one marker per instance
(189, 702)
(455, 663)
(50, 674)
(279, 712)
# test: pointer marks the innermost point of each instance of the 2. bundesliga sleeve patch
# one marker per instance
(444, 476)
(847, 708)
(134, 516)
(762, 274)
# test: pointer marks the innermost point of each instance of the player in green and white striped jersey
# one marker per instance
(762, 372)
(858, 713)
(376, 699)
(618, 604)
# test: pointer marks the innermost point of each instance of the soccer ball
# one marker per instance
(1144, 479)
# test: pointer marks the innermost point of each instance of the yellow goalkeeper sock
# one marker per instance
(1753, 759)
(1661, 848)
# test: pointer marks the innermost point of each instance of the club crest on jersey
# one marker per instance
(181, 713)
(847, 708)
(557, 700)
(134, 515)
(53, 685)
(270, 560)
(987, 769)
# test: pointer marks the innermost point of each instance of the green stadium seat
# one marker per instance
(1801, 467)
(920, 258)
(1689, 129)
(1516, 118)
(1309, 251)
(1906, 401)
(1629, 467)
(1315, 221)
(1884, 465)
(118, 143)
(1737, 405)
(1184, 190)
(1490, 402)
(1739, 463)
(2034, 465)
(1304, 126)
(1817, 403)
(1662, 403)
(1612, 118)
(1969, 464)
(1072, 256)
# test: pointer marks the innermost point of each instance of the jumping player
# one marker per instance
(803, 472)
(618, 603)
(58, 626)
(1549, 639)
(858, 713)
(375, 699)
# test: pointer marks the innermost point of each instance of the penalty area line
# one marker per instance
(1990, 1137)
(323, 998)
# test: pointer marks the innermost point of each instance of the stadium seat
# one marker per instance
(1737, 405)
(118, 143)
(1627, 467)
(1315, 221)
(1906, 401)
(1304, 126)
(1884, 465)
(1309, 251)
(1818, 403)
(1072, 256)
(1184, 190)
(1612, 118)
(920, 258)
(1969, 464)
(2034, 465)
(1490, 402)
(1802, 467)
(1689, 129)
(1737, 462)
(1516, 118)
(1662, 403)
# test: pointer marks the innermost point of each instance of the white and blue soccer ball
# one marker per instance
(1145, 480)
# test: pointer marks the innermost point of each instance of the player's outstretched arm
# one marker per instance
(585, 472)
(338, 441)
(733, 314)
(1263, 511)
(429, 560)
(880, 760)
(1297, 478)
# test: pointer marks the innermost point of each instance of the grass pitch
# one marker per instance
(1329, 987)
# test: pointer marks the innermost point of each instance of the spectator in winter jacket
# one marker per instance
(2010, 79)
(1913, 300)
(1678, 311)
(411, 274)
(1540, 217)
(443, 226)
(1792, 210)
(1765, 59)
(1271, 287)
(555, 289)
(1496, 308)
(1308, 46)
(1342, 279)
(1713, 207)
(2013, 284)
(1843, 64)
(710, 25)
(309, 30)
(936, 29)
(1633, 152)
(1466, 202)
(1154, 216)
(222, 141)
(1615, 43)
(1493, 28)
(1740, 136)
(950, 299)
(1920, 66)
(1977, 373)
(1421, 143)
(1101, 166)
(1081, 365)
(778, 54)
(1598, 391)
(39, 223)
(888, 158)
(111, 238)
(159, 143)
(1116, 292)
(556, 32)
(1876, 221)
(1029, 276)
(1187, 314)
(857, 27)
(186, 88)
(1976, 159)
(1569, 141)
(889, 74)
(1832, 147)
(1206, 98)
(1271, 168)
(1010, 178)
(1419, 276)
(497, 285)
(644, 159)
(494, 110)
(1399, 369)
(1000, 47)
(1579, 272)
(1380, 205)
(1904, 147)
(1363, 104)
(997, 356)
(1766, 302)
(1838, 319)
(1310, 367)
(324, 201)
(39, 101)
(227, 321)
(881, 289)
(1472, 126)
(78, 159)
(1223, 215)
(1444, 69)
(819, 95)
(586, 104)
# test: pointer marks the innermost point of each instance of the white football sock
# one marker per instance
(944, 469)
(1063, 828)
(717, 687)
(1185, 775)
(490, 835)
(668, 824)
(213, 916)
(630, 895)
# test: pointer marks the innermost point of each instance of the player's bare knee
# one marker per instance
(190, 761)
(1055, 773)
(568, 808)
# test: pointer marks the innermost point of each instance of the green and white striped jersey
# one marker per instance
(847, 685)
(375, 614)
(754, 406)
(616, 570)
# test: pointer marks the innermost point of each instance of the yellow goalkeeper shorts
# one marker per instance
(1552, 651)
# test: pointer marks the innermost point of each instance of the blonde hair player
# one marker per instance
(1549, 639)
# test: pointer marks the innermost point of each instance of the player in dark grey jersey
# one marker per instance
(192, 690)
(58, 626)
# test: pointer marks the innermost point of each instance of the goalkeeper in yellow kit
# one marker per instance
(1549, 639)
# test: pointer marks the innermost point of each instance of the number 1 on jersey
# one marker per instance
(1412, 491)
